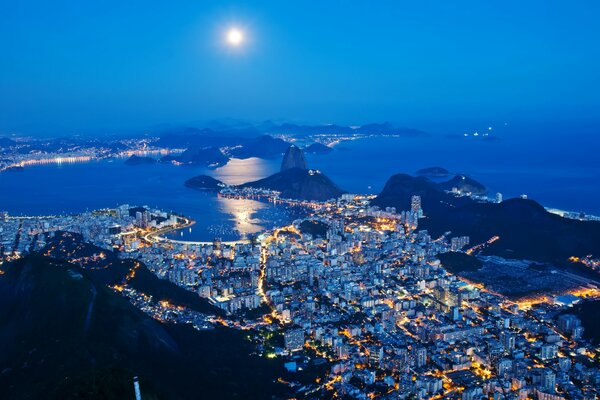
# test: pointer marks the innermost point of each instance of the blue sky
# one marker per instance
(69, 66)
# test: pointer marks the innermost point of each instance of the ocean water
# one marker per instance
(565, 177)
(558, 175)
(73, 188)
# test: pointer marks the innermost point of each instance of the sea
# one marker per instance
(561, 177)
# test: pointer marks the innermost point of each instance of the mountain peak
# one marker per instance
(300, 184)
(293, 158)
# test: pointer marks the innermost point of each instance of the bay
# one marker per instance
(560, 177)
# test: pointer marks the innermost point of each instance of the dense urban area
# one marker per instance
(355, 300)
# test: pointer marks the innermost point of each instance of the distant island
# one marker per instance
(295, 181)
(212, 145)
(208, 156)
(206, 147)
(317, 148)
(138, 160)
(263, 146)
(204, 182)
(300, 184)
(434, 172)
(373, 129)
(264, 140)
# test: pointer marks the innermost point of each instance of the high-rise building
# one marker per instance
(508, 341)
(293, 339)
(415, 204)
(548, 383)
(457, 243)
(568, 323)
(455, 313)
(577, 333)
(375, 355)
(472, 393)
(564, 363)
(498, 197)
(420, 357)
(145, 218)
(548, 351)
(504, 367)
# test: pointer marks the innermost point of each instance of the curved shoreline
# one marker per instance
(156, 237)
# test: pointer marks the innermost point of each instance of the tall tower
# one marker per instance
(548, 381)
(415, 204)
(420, 357)
(136, 388)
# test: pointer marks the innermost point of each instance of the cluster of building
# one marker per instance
(227, 275)
(122, 229)
(24, 152)
(355, 288)
(165, 312)
(370, 296)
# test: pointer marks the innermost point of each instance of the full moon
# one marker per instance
(235, 37)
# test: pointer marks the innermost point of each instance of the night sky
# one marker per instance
(70, 66)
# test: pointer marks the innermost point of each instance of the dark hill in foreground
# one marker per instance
(111, 270)
(297, 183)
(525, 228)
(66, 337)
